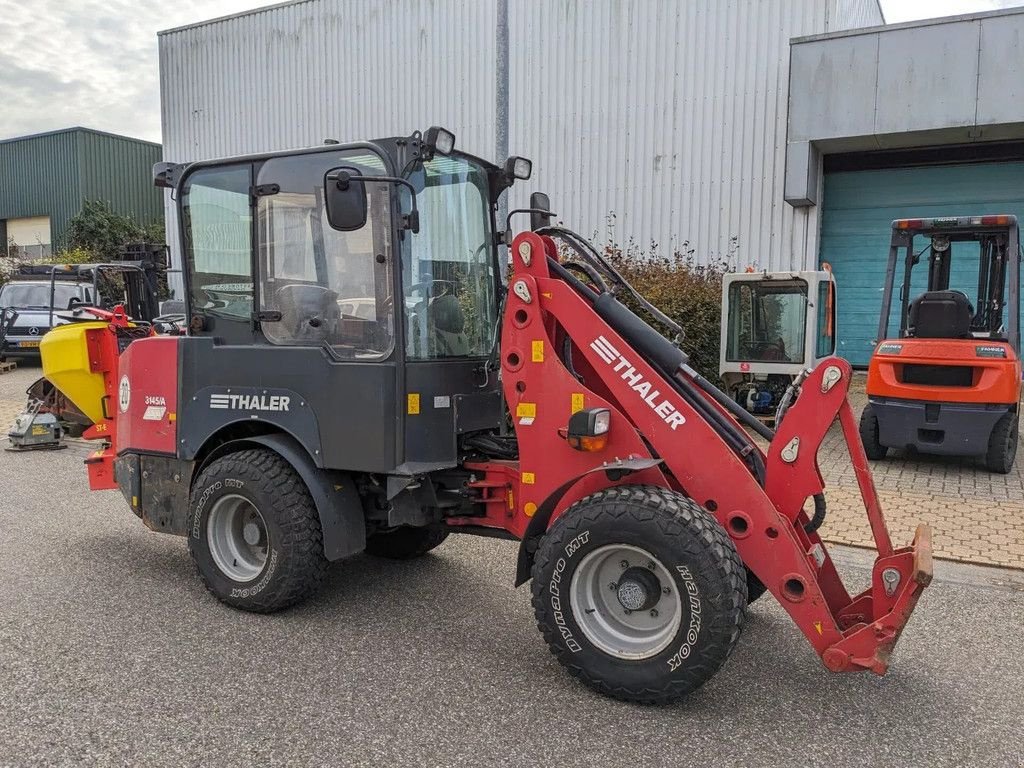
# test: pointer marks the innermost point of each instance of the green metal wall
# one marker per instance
(52, 174)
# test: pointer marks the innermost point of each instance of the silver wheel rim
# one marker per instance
(237, 537)
(599, 586)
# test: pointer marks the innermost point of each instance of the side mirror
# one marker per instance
(345, 199)
(539, 202)
(74, 302)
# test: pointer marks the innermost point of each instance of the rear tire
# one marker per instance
(254, 532)
(869, 434)
(1002, 445)
(664, 555)
(406, 543)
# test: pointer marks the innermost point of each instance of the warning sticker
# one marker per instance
(526, 413)
(413, 403)
(577, 402)
(537, 351)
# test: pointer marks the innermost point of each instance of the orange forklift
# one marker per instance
(949, 383)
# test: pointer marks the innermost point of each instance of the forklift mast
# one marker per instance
(998, 278)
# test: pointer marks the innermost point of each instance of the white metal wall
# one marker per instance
(647, 120)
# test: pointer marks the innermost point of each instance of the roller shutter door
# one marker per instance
(857, 212)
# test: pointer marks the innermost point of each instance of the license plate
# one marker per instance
(24, 344)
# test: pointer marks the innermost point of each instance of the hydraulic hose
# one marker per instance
(819, 514)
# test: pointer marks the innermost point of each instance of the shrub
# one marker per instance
(99, 231)
(688, 292)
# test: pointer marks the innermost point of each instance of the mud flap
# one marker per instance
(334, 493)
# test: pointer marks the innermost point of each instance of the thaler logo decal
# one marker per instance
(251, 402)
(637, 382)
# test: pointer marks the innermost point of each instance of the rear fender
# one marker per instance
(334, 493)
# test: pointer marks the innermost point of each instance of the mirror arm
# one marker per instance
(410, 220)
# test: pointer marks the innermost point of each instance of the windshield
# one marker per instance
(448, 267)
(37, 295)
(767, 321)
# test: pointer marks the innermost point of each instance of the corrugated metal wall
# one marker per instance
(51, 174)
(40, 176)
(853, 14)
(647, 120)
(120, 170)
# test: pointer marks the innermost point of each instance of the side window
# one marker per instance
(218, 241)
(826, 320)
(328, 286)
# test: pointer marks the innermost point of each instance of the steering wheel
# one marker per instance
(427, 287)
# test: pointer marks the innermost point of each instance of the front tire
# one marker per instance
(869, 434)
(254, 532)
(639, 593)
(1002, 445)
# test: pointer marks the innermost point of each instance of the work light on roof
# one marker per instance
(440, 140)
(518, 168)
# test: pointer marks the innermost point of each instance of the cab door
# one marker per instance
(292, 322)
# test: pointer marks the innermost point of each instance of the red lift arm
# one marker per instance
(660, 434)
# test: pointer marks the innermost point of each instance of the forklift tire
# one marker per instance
(869, 434)
(405, 543)
(639, 593)
(1002, 445)
(254, 532)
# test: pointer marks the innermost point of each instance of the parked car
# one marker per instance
(36, 306)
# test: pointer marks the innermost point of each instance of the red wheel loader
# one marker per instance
(353, 376)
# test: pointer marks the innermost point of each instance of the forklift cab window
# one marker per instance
(767, 321)
(218, 241)
(330, 287)
(448, 267)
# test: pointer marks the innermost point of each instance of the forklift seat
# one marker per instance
(941, 315)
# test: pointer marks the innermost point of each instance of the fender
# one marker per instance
(539, 522)
(334, 493)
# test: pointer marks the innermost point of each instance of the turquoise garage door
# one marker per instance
(857, 213)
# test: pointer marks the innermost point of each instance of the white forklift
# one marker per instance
(775, 326)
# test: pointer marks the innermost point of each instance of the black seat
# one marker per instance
(941, 315)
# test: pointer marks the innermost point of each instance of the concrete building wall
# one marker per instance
(647, 120)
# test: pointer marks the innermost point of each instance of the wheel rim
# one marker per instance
(237, 537)
(625, 601)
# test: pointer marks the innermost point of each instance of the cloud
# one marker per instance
(89, 62)
(908, 10)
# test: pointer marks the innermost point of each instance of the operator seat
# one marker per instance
(300, 303)
(941, 315)
(447, 324)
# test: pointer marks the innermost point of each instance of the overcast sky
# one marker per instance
(94, 62)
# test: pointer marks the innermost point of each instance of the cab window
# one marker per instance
(218, 241)
(767, 321)
(448, 267)
(318, 285)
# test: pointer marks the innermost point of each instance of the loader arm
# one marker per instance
(658, 409)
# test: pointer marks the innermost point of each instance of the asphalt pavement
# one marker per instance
(112, 653)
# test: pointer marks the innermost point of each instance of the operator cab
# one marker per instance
(369, 268)
(774, 325)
